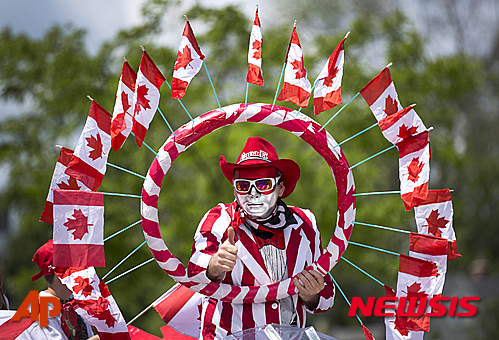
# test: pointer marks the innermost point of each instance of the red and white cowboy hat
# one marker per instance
(258, 153)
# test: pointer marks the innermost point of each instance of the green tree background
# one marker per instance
(455, 93)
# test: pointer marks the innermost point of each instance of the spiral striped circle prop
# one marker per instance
(290, 120)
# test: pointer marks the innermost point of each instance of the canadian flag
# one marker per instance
(434, 217)
(416, 279)
(327, 93)
(433, 249)
(381, 96)
(255, 75)
(10, 329)
(60, 181)
(188, 63)
(78, 228)
(146, 96)
(401, 125)
(296, 88)
(93, 302)
(393, 331)
(414, 169)
(122, 122)
(181, 308)
(88, 163)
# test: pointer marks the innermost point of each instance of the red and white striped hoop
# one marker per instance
(297, 123)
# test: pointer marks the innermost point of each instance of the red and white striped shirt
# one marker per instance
(303, 247)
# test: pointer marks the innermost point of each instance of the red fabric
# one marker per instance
(167, 331)
(76, 197)
(254, 75)
(258, 153)
(123, 110)
(327, 93)
(12, 329)
(84, 173)
(79, 255)
(367, 334)
(328, 102)
(294, 94)
(252, 271)
(146, 96)
(171, 305)
(416, 267)
(376, 86)
(43, 259)
(101, 116)
(427, 244)
(277, 240)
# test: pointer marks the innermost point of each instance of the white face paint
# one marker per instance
(257, 205)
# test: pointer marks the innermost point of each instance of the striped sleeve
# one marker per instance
(207, 239)
(326, 298)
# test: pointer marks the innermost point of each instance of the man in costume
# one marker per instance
(258, 240)
(66, 325)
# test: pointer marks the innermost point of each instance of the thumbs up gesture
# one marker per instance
(224, 259)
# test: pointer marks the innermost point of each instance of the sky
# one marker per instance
(102, 19)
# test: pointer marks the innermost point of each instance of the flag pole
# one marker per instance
(383, 227)
(371, 157)
(282, 72)
(341, 109)
(131, 132)
(158, 109)
(362, 271)
(180, 101)
(344, 296)
(141, 313)
(122, 230)
(212, 86)
(130, 270)
(374, 248)
(246, 98)
(377, 193)
(123, 260)
(147, 146)
(357, 134)
(118, 194)
(317, 80)
(115, 166)
(278, 86)
(361, 132)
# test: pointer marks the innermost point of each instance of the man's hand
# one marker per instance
(224, 259)
(309, 284)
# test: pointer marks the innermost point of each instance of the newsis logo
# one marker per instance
(414, 306)
(39, 310)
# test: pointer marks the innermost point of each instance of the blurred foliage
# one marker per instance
(456, 94)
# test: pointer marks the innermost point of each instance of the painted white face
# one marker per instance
(257, 205)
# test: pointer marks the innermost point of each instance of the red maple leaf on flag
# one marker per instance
(414, 169)
(95, 143)
(405, 132)
(414, 290)
(435, 223)
(298, 65)
(402, 325)
(328, 81)
(142, 101)
(257, 46)
(124, 101)
(99, 309)
(83, 285)
(71, 185)
(183, 58)
(391, 106)
(79, 224)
